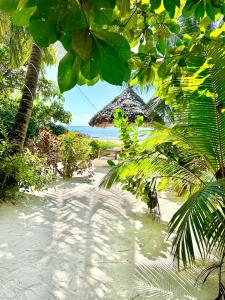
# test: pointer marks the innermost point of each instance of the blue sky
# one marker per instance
(83, 109)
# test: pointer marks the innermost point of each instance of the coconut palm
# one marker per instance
(23, 51)
(200, 136)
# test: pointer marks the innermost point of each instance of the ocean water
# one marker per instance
(108, 133)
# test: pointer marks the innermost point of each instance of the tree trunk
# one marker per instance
(19, 130)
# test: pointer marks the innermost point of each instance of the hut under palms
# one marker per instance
(129, 102)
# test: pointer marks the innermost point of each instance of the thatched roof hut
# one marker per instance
(129, 102)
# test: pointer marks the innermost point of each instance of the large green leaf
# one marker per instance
(72, 19)
(189, 7)
(124, 7)
(43, 32)
(9, 5)
(90, 68)
(115, 41)
(82, 43)
(68, 72)
(112, 68)
(44, 5)
(113, 55)
(200, 10)
(22, 17)
(155, 4)
(171, 5)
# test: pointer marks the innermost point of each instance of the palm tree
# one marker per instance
(200, 136)
(23, 115)
(23, 51)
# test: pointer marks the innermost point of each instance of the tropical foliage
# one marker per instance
(197, 170)
(176, 45)
(22, 171)
(98, 35)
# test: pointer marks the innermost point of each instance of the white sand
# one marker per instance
(74, 242)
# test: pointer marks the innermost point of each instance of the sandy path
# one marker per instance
(68, 243)
(76, 242)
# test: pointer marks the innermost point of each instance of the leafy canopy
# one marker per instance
(98, 35)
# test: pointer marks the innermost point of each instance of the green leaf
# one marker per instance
(89, 69)
(200, 11)
(102, 3)
(44, 5)
(22, 17)
(124, 7)
(162, 70)
(82, 43)
(155, 4)
(114, 52)
(43, 32)
(104, 16)
(217, 3)
(112, 68)
(173, 26)
(9, 5)
(189, 7)
(110, 163)
(73, 19)
(170, 6)
(210, 11)
(66, 40)
(116, 41)
(161, 45)
(67, 72)
(27, 3)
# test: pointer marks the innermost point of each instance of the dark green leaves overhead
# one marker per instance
(124, 7)
(22, 17)
(82, 43)
(90, 69)
(67, 72)
(155, 4)
(171, 5)
(189, 7)
(114, 52)
(200, 10)
(43, 32)
(199, 7)
(9, 5)
(100, 53)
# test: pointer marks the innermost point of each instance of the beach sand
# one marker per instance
(76, 242)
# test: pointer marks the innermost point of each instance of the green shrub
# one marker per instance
(21, 171)
(46, 145)
(57, 129)
(75, 154)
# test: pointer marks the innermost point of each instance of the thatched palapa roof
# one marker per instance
(129, 102)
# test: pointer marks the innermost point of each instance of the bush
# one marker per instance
(46, 145)
(57, 129)
(75, 154)
(21, 171)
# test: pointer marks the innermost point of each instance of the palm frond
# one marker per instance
(154, 166)
(201, 106)
(200, 221)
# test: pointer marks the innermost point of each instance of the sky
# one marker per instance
(84, 101)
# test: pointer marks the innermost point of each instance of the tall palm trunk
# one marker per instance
(19, 130)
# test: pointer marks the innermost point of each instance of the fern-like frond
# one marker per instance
(154, 166)
(200, 221)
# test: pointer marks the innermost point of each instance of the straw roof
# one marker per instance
(129, 102)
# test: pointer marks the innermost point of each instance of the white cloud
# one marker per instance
(81, 120)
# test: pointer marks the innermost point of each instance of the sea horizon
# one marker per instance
(106, 133)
